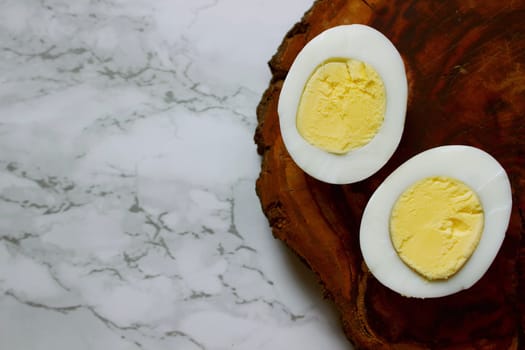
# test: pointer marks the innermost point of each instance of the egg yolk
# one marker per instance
(342, 106)
(435, 226)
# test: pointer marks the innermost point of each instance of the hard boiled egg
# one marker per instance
(342, 105)
(434, 226)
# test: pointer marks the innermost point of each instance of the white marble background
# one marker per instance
(128, 217)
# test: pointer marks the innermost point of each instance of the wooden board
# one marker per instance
(465, 63)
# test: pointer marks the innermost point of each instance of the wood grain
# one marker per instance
(465, 63)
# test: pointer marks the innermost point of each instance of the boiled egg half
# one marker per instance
(342, 105)
(434, 226)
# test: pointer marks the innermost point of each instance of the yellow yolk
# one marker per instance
(435, 226)
(342, 106)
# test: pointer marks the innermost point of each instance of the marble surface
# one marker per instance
(127, 167)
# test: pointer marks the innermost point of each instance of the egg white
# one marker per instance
(476, 168)
(347, 41)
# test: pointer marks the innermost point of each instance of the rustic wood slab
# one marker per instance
(465, 63)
